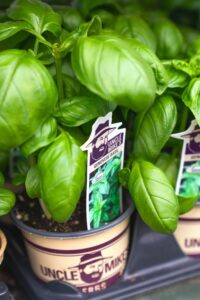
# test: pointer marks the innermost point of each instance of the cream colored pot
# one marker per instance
(3, 243)
(91, 260)
(187, 233)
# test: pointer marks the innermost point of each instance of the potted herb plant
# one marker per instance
(56, 79)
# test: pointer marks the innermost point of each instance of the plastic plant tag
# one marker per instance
(188, 182)
(188, 185)
(105, 148)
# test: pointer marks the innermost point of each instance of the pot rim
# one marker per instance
(127, 213)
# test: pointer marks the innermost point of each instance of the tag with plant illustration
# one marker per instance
(105, 148)
(188, 182)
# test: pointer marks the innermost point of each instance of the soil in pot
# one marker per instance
(30, 213)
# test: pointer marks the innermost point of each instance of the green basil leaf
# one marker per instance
(187, 203)
(36, 13)
(132, 26)
(42, 137)
(154, 127)
(154, 197)
(177, 78)
(32, 182)
(169, 165)
(7, 201)
(191, 97)
(9, 29)
(169, 39)
(62, 169)
(26, 99)
(111, 61)
(80, 110)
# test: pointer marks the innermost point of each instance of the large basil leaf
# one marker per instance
(191, 97)
(9, 29)
(154, 127)
(62, 169)
(108, 66)
(169, 165)
(42, 137)
(36, 13)
(169, 39)
(7, 201)
(81, 109)
(154, 197)
(32, 182)
(186, 203)
(132, 26)
(28, 95)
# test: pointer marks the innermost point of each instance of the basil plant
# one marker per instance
(59, 72)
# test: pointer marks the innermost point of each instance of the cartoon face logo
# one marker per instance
(100, 146)
(194, 144)
(100, 142)
(91, 267)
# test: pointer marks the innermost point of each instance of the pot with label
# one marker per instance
(91, 260)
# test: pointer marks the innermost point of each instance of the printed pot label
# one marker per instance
(187, 236)
(90, 263)
(105, 148)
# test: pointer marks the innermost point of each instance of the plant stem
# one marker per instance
(46, 212)
(58, 63)
(36, 46)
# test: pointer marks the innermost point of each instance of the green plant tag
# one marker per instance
(188, 181)
(105, 148)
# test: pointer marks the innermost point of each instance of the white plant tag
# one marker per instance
(105, 148)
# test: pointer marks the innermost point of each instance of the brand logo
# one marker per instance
(100, 141)
(91, 268)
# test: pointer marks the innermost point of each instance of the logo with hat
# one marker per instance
(97, 144)
(91, 266)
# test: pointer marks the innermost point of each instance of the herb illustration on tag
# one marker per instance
(188, 182)
(105, 148)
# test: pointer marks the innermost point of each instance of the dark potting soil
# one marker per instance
(30, 213)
